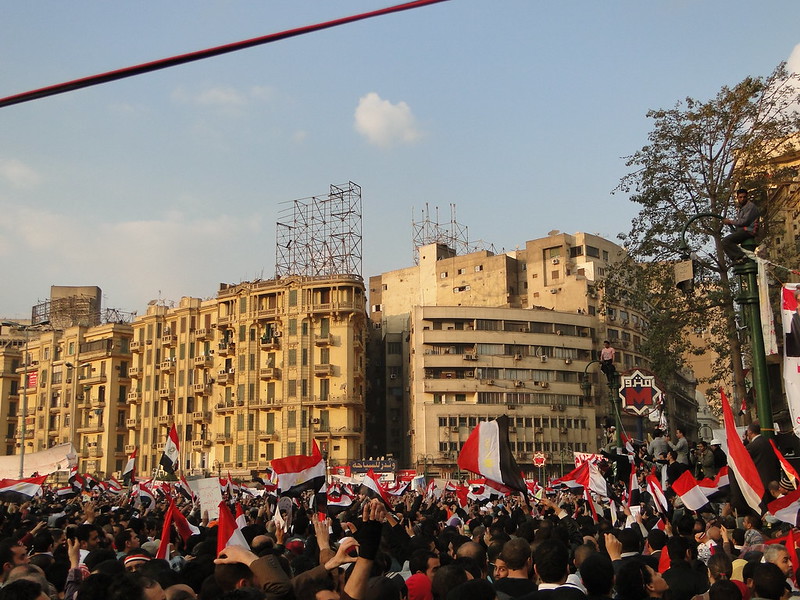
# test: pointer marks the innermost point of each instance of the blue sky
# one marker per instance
(163, 185)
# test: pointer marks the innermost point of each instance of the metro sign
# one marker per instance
(639, 392)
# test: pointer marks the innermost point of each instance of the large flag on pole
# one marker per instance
(487, 452)
(129, 472)
(299, 473)
(228, 534)
(790, 316)
(21, 490)
(740, 464)
(169, 460)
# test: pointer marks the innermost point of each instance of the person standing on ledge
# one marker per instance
(745, 227)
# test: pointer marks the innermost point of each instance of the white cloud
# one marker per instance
(793, 63)
(385, 124)
(222, 97)
(178, 254)
(18, 174)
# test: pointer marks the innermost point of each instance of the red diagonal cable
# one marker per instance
(180, 59)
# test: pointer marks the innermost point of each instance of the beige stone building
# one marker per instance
(254, 374)
(68, 385)
(471, 337)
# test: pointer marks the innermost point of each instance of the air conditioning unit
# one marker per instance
(512, 430)
(518, 357)
(555, 261)
(315, 421)
(519, 384)
(562, 408)
(553, 407)
(470, 356)
(567, 361)
(538, 430)
(544, 384)
(543, 358)
(393, 376)
(553, 290)
(490, 382)
(563, 430)
(469, 373)
(454, 429)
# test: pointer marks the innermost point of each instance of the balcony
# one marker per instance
(167, 365)
(342, 400)
(95, 452)
(200, 444)
(223, 407)
(203, 334)
(90, 427)
(226, 377)
(272, 343)
(224, 438)
(169, 339)
(201, 389)
(134, 397)
(137, 346)
(269, 436)
(323, 370)
(203, 361)
(160, 446)
(226, 348)
(338, 431)
(92, 379)
(167, 393)
(270, 373)
(135, 372)
(133, 423)
(201, 415)
(223, 322)
(323, 340)
(129, 448)
(164, 419)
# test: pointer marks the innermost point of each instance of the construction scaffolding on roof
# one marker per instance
(321, 235)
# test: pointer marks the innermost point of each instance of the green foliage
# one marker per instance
(697, 154)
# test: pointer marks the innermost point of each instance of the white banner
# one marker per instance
(767, 322)
(790, 313)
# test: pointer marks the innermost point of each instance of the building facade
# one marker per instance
(256, 373)
(472, 337)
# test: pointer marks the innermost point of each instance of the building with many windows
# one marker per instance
(256, 373)
(471, 337)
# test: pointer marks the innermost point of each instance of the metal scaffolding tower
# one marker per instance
(321, 235)
(426, 231)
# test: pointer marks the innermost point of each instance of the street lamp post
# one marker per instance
(748, 299)
(613, 397)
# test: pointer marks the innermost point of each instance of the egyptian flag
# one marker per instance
(462, 495)
(184, 490)
(228, 534)
(129, 472)
(483, 489)
(169, 460)
(575, 478)
(654, 488)
(21, 490)
(65, 492)
(740, 464)
(686, 487)
(371, 488)
(786, 507)
(337, 500)
(91, 482)
(299, 473)
(113, 486)
(398, 488)
(487, 452)
(718, 485)
(430, 491)
(223, 485)
(76, 481)
(789, 477)
(145, 495)
(633, 486)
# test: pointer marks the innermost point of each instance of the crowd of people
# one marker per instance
(422, 546)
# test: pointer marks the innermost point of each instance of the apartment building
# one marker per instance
(470, 337)
(68, 385)
(254, 374)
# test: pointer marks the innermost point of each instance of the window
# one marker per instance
(292, 297)
(553, 252)
(292, 326)
(292, 357)
(554, 275)
(478, 268)
(394, 348)
(576, 251)
(592, 251)
(462, 271)
(243, 305)
(443, 275)
(605, 255)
